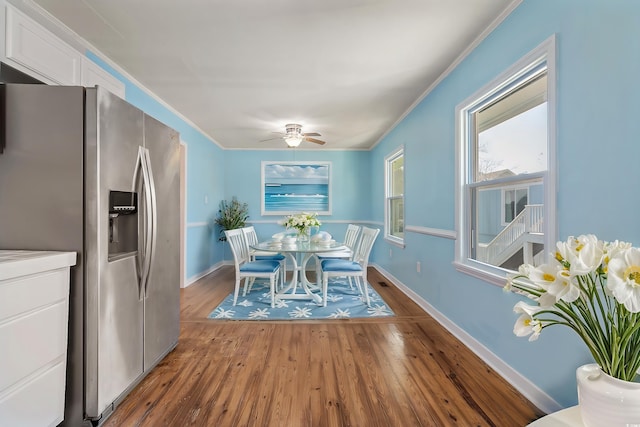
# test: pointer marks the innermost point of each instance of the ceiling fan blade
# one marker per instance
(271, 139)
(311, 134)
(315, 141)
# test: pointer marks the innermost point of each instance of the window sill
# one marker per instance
(494, 275)
(396, 242)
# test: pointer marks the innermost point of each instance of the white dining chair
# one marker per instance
(355, 267)
(247, 269)
(350, 242)
(255, 255)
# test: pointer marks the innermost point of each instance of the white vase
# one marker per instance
(606, 401)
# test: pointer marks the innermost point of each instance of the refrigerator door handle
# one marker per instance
(137, 187)
(144, 253)
(3, 118)
(153, 215)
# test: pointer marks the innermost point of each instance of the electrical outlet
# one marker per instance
(418, 267)
(206, 199)
(390, 253)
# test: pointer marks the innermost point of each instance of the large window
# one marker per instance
(394, 197)
(506, 180)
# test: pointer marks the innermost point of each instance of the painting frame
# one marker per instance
(289, 187)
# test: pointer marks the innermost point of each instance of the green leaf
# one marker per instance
(231, 215)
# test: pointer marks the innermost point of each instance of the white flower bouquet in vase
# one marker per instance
(302, 224)
(592, 287)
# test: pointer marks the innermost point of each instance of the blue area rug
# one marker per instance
(342, 303)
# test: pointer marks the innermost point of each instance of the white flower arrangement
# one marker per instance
(301, 222)
(593, 287)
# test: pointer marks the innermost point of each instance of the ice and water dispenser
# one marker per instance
(123, 224)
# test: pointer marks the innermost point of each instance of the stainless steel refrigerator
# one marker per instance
(82, 170)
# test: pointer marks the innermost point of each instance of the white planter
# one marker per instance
(606, 401)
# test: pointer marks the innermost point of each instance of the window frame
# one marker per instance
(388, 197)
(543, 55)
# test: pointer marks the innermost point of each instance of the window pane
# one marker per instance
(521, 200)
(509, 197)
(397, 176)
(508, 212)
(394, 193)
(506, 244)
(513, 103)
(516, 145)
(515, 201)
(396, 217)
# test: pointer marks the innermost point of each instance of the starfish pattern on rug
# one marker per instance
(343, 302)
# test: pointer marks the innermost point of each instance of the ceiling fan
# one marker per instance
(293, 136)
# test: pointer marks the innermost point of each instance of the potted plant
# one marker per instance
(592, 287)
(231, 215)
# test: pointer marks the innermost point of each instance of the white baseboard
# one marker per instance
(528, 389)
(200, 275)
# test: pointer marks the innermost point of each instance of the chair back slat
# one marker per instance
(351, 236)
(361, 255)
(251, 235)
(239, 246)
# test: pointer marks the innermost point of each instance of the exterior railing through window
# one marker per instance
(526, 228)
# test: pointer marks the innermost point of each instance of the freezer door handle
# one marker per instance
(151, 187)
(3, 118)
(145, 253)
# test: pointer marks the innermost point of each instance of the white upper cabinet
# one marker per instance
(31, 46)
(35, 50)
(93, 75)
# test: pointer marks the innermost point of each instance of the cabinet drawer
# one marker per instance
(31, 342)
(31, 292)
(37, 403)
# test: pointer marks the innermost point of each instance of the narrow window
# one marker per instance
(394, 195)
(505, 182)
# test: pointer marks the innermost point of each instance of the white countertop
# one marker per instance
(569, 417)
(15, 263)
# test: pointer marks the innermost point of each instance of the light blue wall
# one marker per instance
(350, 184)
(597, 150)
(205, 172)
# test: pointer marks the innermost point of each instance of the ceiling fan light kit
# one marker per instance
(293, 136)
(293, 140)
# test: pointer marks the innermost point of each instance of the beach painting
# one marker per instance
(291, 187)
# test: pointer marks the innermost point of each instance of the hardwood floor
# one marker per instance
(400, 371)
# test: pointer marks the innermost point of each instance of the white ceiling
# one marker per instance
(242, 69)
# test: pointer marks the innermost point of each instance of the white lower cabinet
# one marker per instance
(34, 313)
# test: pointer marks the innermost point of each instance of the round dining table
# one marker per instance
(299, 253)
